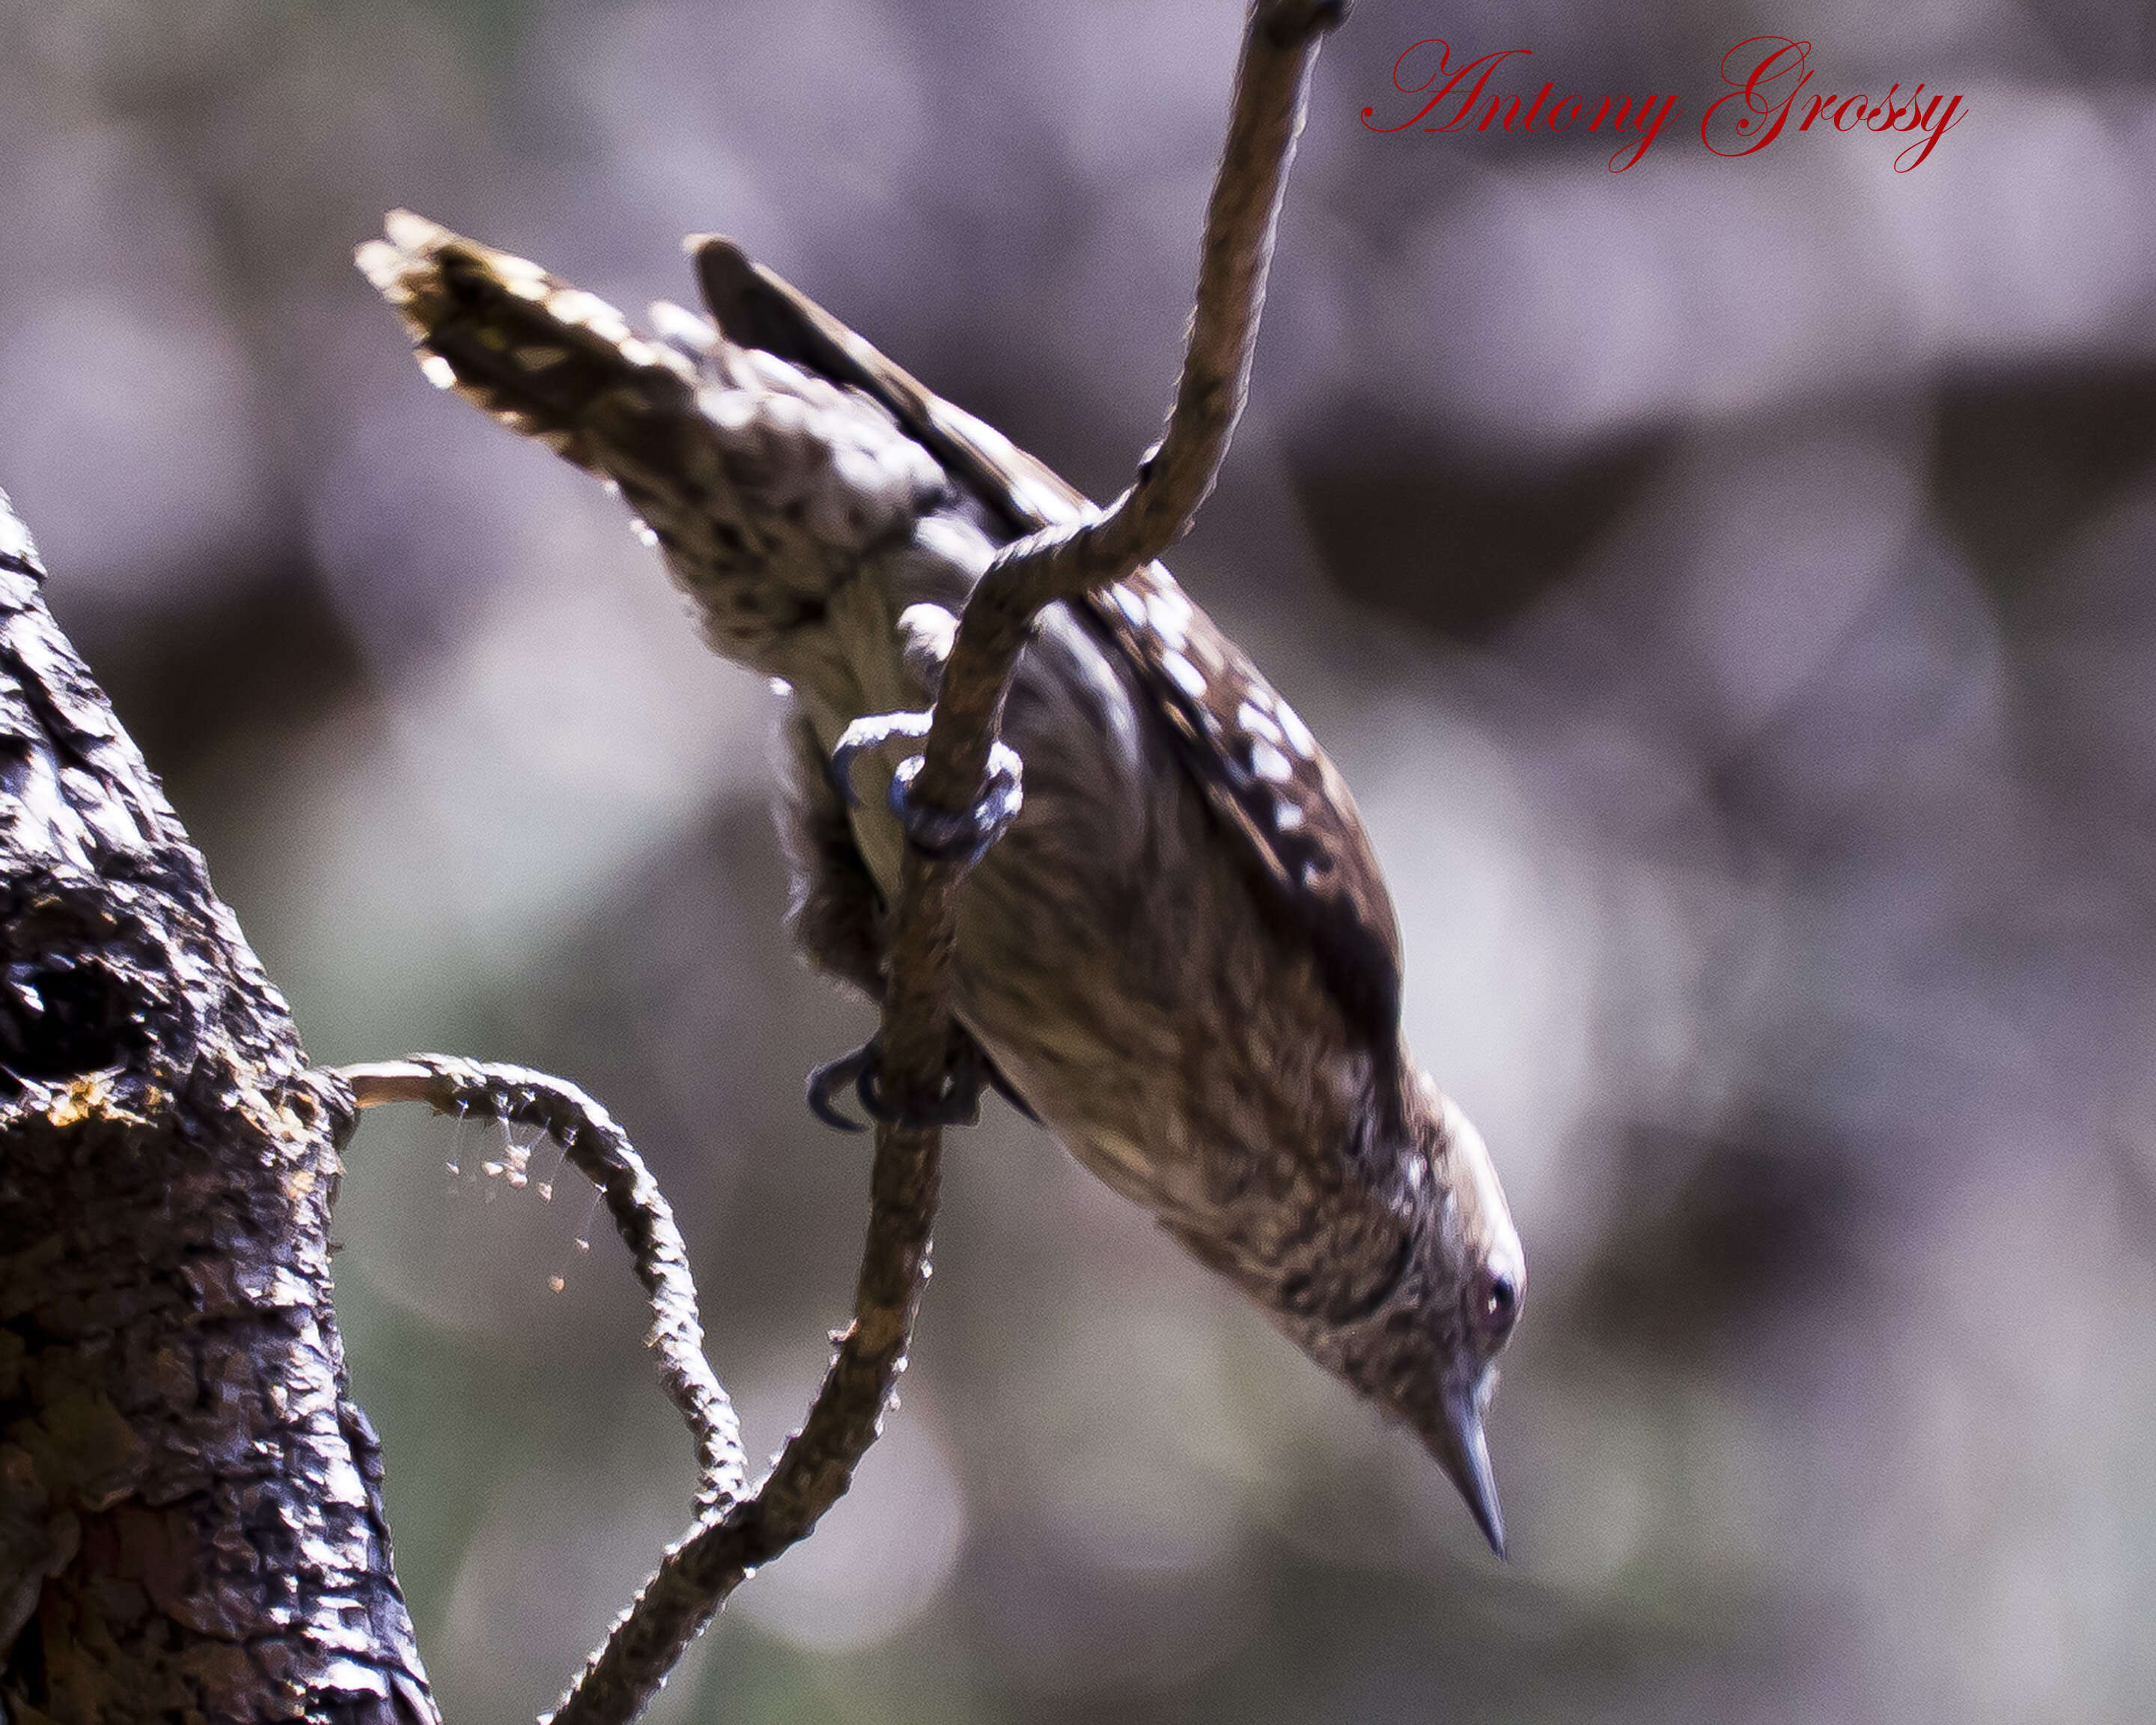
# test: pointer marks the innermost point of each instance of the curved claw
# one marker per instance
(867, 733)
(828, 1080)
(936, 833)
(966, 1073)
(942, 836)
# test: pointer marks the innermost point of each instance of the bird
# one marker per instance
(1182, 956)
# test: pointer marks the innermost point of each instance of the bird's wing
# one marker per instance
(1260, 770)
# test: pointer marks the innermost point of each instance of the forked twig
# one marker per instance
(1280, 46)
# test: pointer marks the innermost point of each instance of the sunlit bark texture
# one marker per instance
(191, 1525)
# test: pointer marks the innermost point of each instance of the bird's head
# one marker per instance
(1477, 1279)
(1424, 1350)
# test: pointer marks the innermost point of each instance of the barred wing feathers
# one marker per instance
(1260, 768)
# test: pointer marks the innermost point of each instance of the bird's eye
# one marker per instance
(1494, 1302)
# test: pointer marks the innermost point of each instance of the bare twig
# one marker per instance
(1280, 46)
(601, 1152)
(814, 1470)
(1279, 50)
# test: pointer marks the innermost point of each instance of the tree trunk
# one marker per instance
(191, 1522)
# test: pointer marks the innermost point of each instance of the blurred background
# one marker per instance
(1725, 584)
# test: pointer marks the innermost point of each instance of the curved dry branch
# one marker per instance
(813, 1470)
(1280, 46)
(601, 1152)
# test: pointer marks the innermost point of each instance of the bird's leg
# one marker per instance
(837, 918)
(939, 834)
(836, 914)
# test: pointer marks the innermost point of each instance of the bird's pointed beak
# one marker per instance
(1465, 1456)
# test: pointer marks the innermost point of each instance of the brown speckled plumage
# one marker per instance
(1182, 954)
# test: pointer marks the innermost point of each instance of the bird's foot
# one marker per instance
(943, 836)
(865, 734)
(937, 834)
(966, 1071)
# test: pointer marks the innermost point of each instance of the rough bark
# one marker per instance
(191, 1524)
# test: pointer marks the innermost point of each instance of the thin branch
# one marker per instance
(1280, 46)
(1280, 49)
(812, 1472)
(601, 1152)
